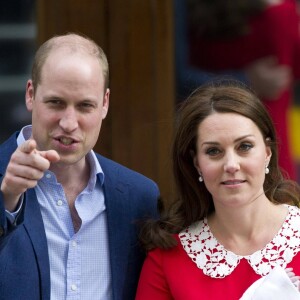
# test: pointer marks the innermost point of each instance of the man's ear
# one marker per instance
(29, 96)
(105, 103)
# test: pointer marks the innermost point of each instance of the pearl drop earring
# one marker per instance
(267, 170)
(200, 178)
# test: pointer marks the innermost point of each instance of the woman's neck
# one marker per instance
(246, 230)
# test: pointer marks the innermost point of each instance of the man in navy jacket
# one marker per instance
(69, 217)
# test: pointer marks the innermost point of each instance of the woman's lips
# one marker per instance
(233, 182)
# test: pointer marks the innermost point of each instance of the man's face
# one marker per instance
(68, 105)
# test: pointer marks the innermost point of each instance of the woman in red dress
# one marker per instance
(235, 219)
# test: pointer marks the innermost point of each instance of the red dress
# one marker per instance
(200, 268)
(272, 32)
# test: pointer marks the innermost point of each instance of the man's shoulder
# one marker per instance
(7, 148)
(110, 167)
(11, 142)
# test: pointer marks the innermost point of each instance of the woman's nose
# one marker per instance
(231, 163)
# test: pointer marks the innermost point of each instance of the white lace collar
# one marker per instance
(217, 262)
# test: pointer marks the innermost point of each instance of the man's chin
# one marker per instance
(67, 160)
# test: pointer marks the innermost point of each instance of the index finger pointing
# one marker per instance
(28, 146)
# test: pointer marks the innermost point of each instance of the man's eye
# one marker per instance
(54, 102)
(86, 106)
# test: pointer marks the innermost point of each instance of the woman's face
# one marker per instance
(232, 157)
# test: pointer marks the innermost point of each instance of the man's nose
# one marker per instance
(68, 121)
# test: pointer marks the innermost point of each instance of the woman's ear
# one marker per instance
(268, 150)
(195, 161)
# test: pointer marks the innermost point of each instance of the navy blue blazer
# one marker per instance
(24, 261)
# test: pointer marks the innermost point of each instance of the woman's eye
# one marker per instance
(212, 151)
(246, 147)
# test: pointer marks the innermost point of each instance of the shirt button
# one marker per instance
(73, 287)
(48, 175)
(74, 243)
(59, 203)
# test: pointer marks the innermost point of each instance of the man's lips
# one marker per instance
(66, 140)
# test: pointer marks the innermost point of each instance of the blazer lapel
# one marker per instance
(118, 233)
(35, 228)
(33, 223)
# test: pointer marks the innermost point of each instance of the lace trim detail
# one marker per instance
(217, 262)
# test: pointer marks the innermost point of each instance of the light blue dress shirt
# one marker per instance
(79, 262)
